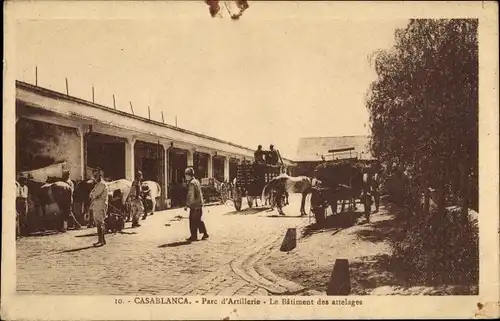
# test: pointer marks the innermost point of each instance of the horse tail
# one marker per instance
(263, 196)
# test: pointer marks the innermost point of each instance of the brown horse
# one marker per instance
(48, 193)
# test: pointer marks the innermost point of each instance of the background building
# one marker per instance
(311, 151)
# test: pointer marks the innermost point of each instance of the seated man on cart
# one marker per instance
(259, 155)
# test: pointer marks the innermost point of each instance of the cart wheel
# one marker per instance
(223, 194)
(250, 200)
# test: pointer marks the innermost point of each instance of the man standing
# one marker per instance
(194, 201)
(22, 206)
(99, 205)
(135, 197)
(273, 156)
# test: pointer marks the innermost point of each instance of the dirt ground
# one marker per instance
(367, 248)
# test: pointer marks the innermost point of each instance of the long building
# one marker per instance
(311, 151)
(52, 128)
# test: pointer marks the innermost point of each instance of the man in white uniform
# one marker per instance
(99, 205)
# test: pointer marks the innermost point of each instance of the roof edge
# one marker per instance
(49, 92)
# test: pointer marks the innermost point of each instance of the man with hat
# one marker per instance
(99, 205)
(194, 201)
(135, 197)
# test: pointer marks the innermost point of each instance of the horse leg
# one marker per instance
(71, 215)
(333, 206)
(303, 204)
(376, 197)
(63, 216)
(279, 197)
(42, 205)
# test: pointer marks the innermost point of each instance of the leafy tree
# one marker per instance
(424, 107)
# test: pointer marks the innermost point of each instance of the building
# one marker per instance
(311, 151)
(54, 128)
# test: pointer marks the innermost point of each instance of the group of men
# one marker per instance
(194, 202)
(269, 157)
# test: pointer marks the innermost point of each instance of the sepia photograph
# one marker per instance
(250, 155)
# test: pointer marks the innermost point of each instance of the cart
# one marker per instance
(214, 191)
(342, 180)
(251, 178)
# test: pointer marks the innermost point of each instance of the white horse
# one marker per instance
(154, 193)
(289, 184)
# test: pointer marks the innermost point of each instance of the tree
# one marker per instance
(424, 106)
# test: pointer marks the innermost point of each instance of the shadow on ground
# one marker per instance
(370, 272)
(248, 211)
(78, 249)
(380, 231)
(86, 235)
(42, 233)
(175, 244)
(283, 216)
(334, 222)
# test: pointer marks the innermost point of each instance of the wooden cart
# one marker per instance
(342, 180)
(251, 178)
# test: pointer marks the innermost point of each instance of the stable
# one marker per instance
(55, 128)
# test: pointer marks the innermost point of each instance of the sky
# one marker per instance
(285, 70)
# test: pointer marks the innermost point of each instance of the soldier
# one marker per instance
(194, 201)
(135, 197)
(259, 155)
(99, 205)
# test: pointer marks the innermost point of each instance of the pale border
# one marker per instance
(97, 307)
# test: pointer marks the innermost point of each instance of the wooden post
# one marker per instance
(290, 240)
(85, 154)
(149, 113)
(114, 102)
(67, 89)
(176, 121)
(340, 283)
(36, 75)
(93, 94)
(162, 119)
(132, 108)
